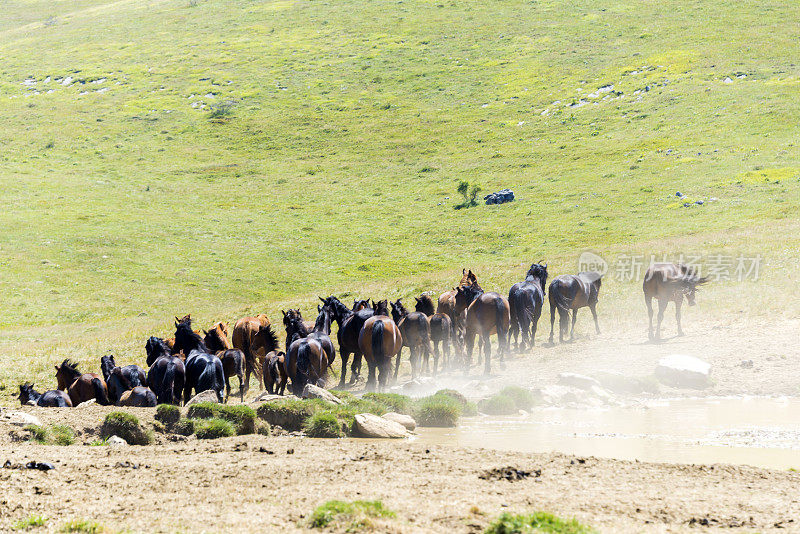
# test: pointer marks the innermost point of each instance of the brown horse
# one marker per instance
(295, 314)
(140, 396)
(81, 386)
(360, 304)
(416, 333)
(275, 376)
(306, 363)
(264, 344)
(571, 292)
(447, 300)
(350, 324)
(244, 331)
(669, 282)
(441, 329)
(216, 340)
(486, 314)
(379, 341)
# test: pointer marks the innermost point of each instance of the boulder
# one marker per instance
(116, 441)
(577, 381)
(369, 425)
(266, 396)
(310, 391)
(406, 420)
(20, 419)
(208, 395)
(683, 371)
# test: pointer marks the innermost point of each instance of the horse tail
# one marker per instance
(303, 363)
(274, 372)
(219, 378)
(557, 297)
(100, 392)
(377, 342)
(501, 331)
(166, 392)
(513, 311)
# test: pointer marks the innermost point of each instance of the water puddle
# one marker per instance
(757, 431)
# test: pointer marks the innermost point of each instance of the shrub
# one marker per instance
(62, 435)
(168, 414)
(469, 192)
(242, 417)
(184, 427)
(522, 397)
(126, 426)
(348, 516)
(437, 410)
(324, 425)
(342, 395)
(289, 414)
(263, 429)
(202, 410)
(213, 428)
(30, 522)
(39, 434)
(393, 402)
(537, 522)
(86, 527)
(467, 408)
(498, 405)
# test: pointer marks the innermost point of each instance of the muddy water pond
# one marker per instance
(757, 431)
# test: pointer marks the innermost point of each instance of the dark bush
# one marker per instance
(126, 426)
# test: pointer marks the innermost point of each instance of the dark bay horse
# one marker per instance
(120, 379)
(292, 314)
(441, 329)
(669, 282)
(54, 398)
(167, 373)
(275, 376)
(486, 314)
(379, 341)
(350, 324)
(243, 332)
(139, 396)
(81, 386)
(447, 300)
(416, 334)
(203, 369)
(526, 300)
(306, 363)
(572, 292)
(216, 340)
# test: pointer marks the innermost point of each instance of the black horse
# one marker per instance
(526, 300)
(350, 324)
(120, 379)
(54, 398)
(167, 373)
(203, 369)
(571, 292)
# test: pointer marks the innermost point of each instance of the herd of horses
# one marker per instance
(375, 332)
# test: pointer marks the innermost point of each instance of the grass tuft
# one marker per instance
(437, 411)
(522, 397)
(243, 418)
(498, 405)
(324, 425)
(84, 527)
(168, 414)
(33, 521)
(538, 522)
(125, 425)
(349, 516)
(213, 428)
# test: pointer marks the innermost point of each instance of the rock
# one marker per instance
(84, 404)
(555, 395)
(682, 371)
(406, 420)
(369, 425)
(266, 396)
(626, 385)
(116, 441)
(20, 419)
(746, 364)
(577, 381)
(727, 80)
(208, 395)
(310, 391)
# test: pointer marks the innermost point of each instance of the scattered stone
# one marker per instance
(266, 396)
(40, 466)
(406, 420)
(310, 391)
(727, 80)
(86, 403)
(116, 441)
(746, 364)
(369, 425)
(511, 474)
(699, 202)
(578, 381)
(680, 370)
(208, 395)
(20, 419)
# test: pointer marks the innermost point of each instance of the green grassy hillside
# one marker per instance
(125, 202)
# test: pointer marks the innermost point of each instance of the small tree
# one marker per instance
(469, 192)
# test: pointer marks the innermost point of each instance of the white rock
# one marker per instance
(266, 396)
(369, 425)
(310, 391)
(19, 419)
(681, 370)
(208, 395)
(406, 420)
(577, 381)
(116, 441)
(84, 404)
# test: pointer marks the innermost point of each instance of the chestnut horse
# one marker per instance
(416, 333)
(167, 373)
(243, 332)
(572, 292)
(139, 396)
(350, 324)
(216, 339)
(441, 329)
(54, 398)
(379, 341)
(120, 379)
(669, 282)
(275, 376)
(526, 300)
(486, 314)
(81, 386)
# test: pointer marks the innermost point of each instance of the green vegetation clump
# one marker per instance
(289, 414)
(467, 408)
(522, 397)
(538, 522)
(54, 435)
(393, 402)
(169, 414)
(184, 427)
(83, 527)
(213, 428)
(126, 426)
(39, 434)
(349, 516)
(33, 521)
(263, 428)
(202, 410)
(469, 192)
(242, 417)
(342, 395)
(437, 411)
(498, 405)
(324, 425)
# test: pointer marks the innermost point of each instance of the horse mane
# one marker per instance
(271, 340)
(425, 304)
(539, 271)
(187, 339)
(70, 366)
(339, 310)
(381, 307)
(398, 311)
(107, 365)
(689, 276)
(216, 339)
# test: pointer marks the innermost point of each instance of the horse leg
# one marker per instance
(563, 324)
(241, 389)
(572, 328)
(487, 353)
(469, 342)
(662, 305)
(436, 356)
(514, 331)
(355, 367)
(648, 300)
(345, 356)
(537, 312)
(678, 304)
(552, 321)
(397, 365)
(371, 376)
(427, 349)
(227, 388)
(524, 326)
(593, 308)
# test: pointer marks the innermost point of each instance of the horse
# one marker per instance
(306, 363)
(379, 341)
(264, 342)
(350, 324)
(296, 328)
(360, 304)
(571, 292)
(447, 300)
(120, 379)
(416, 333)
(243, 332)
(167, 373)
(441, 328)
(216, 339)
(139, 396)
(291, 314)
(486, 314)
(526, 300)
(81, 386)
(669, 282)
(171, 341)
(275, 376)
(55, 398)
(203, 369)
